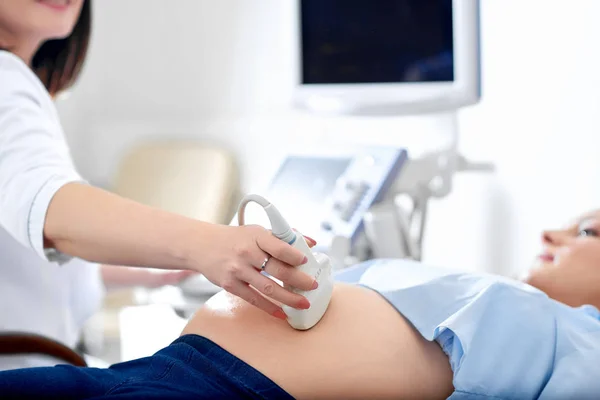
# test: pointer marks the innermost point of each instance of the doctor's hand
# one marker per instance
(233, 257)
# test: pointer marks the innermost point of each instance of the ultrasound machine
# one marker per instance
(379, 58)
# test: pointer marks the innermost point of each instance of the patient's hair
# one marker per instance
(58, 63)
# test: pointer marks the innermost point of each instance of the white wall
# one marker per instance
(221, 71)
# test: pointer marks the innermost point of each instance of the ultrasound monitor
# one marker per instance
(388, 57)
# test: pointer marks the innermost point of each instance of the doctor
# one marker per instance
(51, 219)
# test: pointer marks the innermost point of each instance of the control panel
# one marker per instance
(365, 181)
(326, 196)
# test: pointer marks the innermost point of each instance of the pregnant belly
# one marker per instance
(362, 348)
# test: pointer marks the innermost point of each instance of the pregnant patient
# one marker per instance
(399, 329)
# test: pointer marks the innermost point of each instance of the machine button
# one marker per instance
(347, 214)
(351, 186)
(326, 226)
(363, 187)
(338, 206)
(355, 203)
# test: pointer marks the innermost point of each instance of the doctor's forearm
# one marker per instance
(98, 226)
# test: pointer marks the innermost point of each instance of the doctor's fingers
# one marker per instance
(290, 275)
(273, 290)
(280, 249)
(261, 258)
(310, 241)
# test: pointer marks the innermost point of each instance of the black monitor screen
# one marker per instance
(376, 41)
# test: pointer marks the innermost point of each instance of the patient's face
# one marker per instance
(568, 269)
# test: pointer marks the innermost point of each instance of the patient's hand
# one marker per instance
(119, 277)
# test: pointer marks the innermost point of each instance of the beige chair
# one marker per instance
(192, 179)
(188, 178)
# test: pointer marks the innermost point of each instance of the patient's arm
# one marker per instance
(362, 348)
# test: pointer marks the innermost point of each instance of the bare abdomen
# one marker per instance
(361, 349)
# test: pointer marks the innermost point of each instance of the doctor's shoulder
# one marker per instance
(18, 82)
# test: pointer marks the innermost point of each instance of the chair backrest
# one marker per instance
(188, 178)
(20, 343)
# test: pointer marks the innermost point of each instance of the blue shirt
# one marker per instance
(505, 339)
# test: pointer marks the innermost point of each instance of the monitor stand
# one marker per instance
(395, 227)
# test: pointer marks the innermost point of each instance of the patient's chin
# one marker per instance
(531, 276)
(555, 287)
(540, 274)
(540, 278)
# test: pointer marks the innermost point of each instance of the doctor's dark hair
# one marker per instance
(58, 62)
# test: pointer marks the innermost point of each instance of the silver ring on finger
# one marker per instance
(264, 264)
